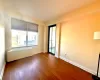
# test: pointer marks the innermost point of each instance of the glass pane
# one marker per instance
(50, 49)
(54, 33)
(18, 38)
(32, 38)
(52, 39)
(53, 47)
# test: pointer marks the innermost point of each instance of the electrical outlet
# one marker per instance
(65, 54)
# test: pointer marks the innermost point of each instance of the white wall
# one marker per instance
(17, 54)
(8, 13)
(76, 39)
(2, 49)
(2, 46)
(2, 43)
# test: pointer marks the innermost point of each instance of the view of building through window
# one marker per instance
(22, 38)
(32, 38)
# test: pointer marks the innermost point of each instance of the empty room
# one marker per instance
(49, 39)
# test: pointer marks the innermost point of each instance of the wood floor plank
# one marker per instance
(43, 66)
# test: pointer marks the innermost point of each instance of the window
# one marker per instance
(32, 38)
(18, 38)
(24, 33)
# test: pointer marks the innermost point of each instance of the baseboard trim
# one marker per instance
(2, 72)
(56, 56)
(80, 66)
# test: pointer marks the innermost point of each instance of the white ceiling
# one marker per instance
(44, 9)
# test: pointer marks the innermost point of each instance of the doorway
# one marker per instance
(52, 39)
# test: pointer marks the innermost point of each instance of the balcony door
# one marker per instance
(52, 39)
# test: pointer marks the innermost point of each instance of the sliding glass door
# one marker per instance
(52, 39)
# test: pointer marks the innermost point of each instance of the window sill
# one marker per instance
(21, 48)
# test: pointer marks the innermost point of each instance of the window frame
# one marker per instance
(26, 30)
(26, 41)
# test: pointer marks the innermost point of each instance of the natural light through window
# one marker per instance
(24, 34)
(18, 38)
(32, 38)
(23, 38)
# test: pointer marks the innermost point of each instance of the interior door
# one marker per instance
(52, 39)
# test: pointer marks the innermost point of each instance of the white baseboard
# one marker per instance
(56, 56)
(80, 66)
(2, 72)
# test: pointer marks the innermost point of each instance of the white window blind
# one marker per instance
(18, 24)
(24, 33)
(32, 27)
(23, 25)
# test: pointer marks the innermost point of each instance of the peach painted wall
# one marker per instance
(77, 43)
(77, 29)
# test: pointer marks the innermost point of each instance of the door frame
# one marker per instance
(49, 38)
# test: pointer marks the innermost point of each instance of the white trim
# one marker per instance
(56, 56)
(2, 72)
(20, 48)
(78, 65)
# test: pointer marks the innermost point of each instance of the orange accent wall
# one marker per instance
(77, 29)
(77, 40)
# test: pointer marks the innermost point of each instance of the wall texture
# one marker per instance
(2, 50)
(24, 52)
(77, 29)
(8, 14)
(2, 42)
(77, 43)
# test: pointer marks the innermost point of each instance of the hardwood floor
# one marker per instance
(43, 67)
